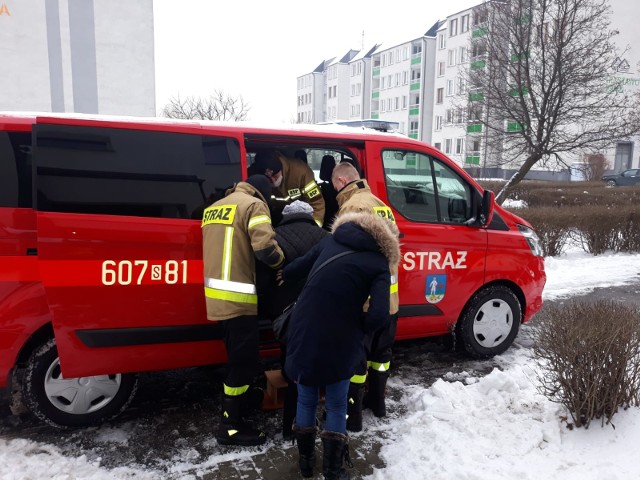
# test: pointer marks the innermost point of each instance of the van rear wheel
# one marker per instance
(72, 402)
(490, 322)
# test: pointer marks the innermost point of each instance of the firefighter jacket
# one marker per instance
(299, 183)
(235, 231)
(357, 197)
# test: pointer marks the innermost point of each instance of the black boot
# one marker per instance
(335, 453)
(374, 399)
(289, 410)
(233, 430)
(354, 407)
(306, 438)
(253, 398)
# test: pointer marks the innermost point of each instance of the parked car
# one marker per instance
(628, 177)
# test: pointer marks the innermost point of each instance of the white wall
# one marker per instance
(89, 56)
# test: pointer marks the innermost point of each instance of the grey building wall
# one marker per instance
(86, 56)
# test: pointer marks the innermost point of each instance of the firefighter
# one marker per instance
(235, 231)
(292, 179)
(354, 195)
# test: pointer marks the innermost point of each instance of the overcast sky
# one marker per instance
(257, 49)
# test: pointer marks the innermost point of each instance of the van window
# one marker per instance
(15, 169)
(423, 189)
(131, 172)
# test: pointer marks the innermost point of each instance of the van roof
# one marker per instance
(26, 119)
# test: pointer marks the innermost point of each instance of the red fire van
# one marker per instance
(101, 256)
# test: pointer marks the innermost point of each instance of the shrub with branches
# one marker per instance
(553, 226)
(589, 358)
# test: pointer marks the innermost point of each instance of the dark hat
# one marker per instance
(267, 160)
(262, 184)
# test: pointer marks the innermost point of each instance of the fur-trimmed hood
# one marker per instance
(383, 231)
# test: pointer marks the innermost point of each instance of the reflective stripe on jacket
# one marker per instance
(299, 183)
(236, 230)
(357, 197)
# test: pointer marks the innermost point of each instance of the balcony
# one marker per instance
(375, 94)
(478, 64)
(416, 60)
(474, 128)
(513, 127)
(375, 115)
(413, 135)
(476, 97)
(414, 111)
(516, 92)
(415, 85)
(376, 72)
(479, 32)
(472, 159)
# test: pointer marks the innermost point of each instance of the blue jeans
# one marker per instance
(335, 402)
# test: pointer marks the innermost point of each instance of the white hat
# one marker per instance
(297, 207)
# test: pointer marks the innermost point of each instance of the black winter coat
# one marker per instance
(297, 234)
(327, 327)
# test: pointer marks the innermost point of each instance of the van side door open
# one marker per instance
(119, 242)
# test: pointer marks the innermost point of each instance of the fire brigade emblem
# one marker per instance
(435, 288)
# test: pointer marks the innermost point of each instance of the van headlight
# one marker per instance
(532, 239)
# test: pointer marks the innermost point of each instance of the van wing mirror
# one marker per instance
(487, 207)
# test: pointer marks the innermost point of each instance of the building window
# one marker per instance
(405, 77)
(439, 95)
(450, 88)
(448, 116)
(397, 79)
(463, 55)
(404, 102)
(452, 57)
(405, 53)
(459, 146)
(382, 83)
(441, 67)
(461, 86)
(464, 23)
(438, 145)
(397, 103)
(438, 123)
(442, 42)
(453, 27)
(390, 58)
(447, 146)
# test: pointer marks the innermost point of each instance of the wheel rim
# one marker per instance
(82, 395)
(611, 183)
(493, 323)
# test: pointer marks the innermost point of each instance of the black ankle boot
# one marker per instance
(306, 438)
(335, 453)
(233, 430)
(374, 398)
(354, 407)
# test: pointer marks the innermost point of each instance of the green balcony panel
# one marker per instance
(478, 64)
(514, 127)
(474, 128)
(414, 136)
(475, 97)
(515, 92)
(414, 111)
(480, 32)
(473, 159)
(376, 71)
(375, 95)
(517, 57)
(415, 86)
(374, 115)
(416, 60)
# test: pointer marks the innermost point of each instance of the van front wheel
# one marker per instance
(490, 322)
(72, 402)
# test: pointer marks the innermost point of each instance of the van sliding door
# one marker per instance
(119, 243)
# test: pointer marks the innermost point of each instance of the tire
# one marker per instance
(72, 402)
(611, 183)
(490, 322)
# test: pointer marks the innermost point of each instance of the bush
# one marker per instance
(589, 358)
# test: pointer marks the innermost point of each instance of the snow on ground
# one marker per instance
(494, 427)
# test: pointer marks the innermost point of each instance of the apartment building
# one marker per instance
(420, 86)
(85, 56)
(450, 99)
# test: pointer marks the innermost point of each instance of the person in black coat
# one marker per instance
(327, 326)
(296, 234)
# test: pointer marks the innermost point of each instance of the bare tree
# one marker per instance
(543, 83)
(219, 106)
